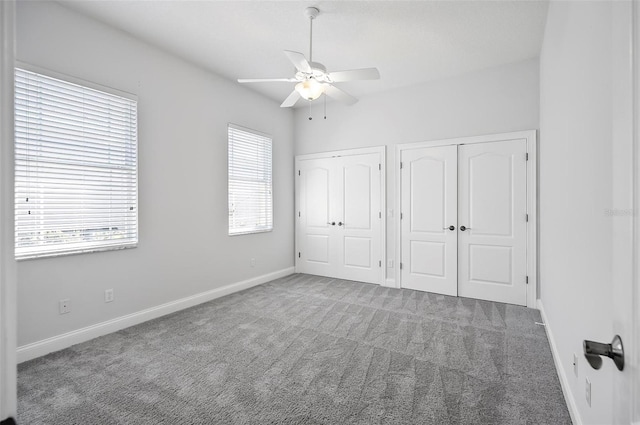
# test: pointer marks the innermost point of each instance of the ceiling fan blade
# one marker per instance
(290, 100)
(355, 74)
(266, 80)
(298, 60)
(337, 94)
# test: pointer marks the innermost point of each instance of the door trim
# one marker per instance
(532, 198)
(635, 112)
(381, 151)
(8, 321)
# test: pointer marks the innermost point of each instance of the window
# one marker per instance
(250, 200)
(76, 168)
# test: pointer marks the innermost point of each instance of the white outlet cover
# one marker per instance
(64, 306)
(108, 295)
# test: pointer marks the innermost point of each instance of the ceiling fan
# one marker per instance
(312, 78)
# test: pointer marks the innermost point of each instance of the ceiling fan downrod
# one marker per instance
(311, 13)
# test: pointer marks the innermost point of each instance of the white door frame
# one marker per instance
(532, 198)
(634, 354)
(625, 142)
(8, 321)
(381, 150)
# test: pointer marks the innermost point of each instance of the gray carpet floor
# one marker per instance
(307, 350)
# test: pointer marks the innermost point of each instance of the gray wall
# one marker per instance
(183, 114)
(494, 100)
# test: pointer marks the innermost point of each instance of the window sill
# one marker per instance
(74, 252)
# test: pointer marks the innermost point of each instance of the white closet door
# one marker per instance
(492, 206)
(429, 208)
(317, 209)
(357, 200)
(339, 230)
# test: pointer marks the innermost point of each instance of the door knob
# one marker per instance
(615, 351)
(452, 228)
(333, 223)
(462, 228)
(340, 223)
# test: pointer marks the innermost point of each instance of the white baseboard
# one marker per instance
(562, 373)
(59, 342)
(389, 283)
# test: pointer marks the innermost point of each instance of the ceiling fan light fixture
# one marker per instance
(310, 89)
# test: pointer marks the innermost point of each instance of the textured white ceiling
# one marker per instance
(408, 41)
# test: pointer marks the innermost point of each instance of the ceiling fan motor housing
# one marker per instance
(318, 72)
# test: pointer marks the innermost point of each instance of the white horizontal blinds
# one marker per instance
(76, 183)
(250, 198)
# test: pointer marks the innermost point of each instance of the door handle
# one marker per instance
(333, 223)
(452, 228)
(340, 223)
(594, 350)
(462, 228)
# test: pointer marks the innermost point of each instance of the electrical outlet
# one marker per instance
(64, 306)
(108, 295)
(575, 364)
(390, 264)
(587, 391)
(253, 262)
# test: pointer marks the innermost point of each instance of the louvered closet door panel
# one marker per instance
(492, 204)
(429, 207)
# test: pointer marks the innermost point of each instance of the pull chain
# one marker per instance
(310, 111)
(325, 106)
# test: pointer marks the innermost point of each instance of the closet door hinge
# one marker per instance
(527, 280)
(298, 172)
(527, 156)
(380, 214)
(298, 213)
(400, 266)
(527, 218)
(298, 255)
(379, 263)
(401, 216)
(380, 167)
(400, 164)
